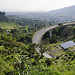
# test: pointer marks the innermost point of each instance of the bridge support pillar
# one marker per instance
(50, 34)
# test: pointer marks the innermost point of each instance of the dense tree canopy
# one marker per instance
(3, 17)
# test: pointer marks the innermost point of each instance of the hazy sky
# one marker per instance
(34, 5)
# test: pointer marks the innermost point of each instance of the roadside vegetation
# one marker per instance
(18, 55)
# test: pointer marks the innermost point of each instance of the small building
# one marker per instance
(67, 44)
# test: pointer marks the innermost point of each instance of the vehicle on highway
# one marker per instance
(60, 24)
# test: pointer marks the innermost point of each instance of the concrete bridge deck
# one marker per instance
(39, 34)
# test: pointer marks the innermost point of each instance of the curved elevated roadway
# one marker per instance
(39, 34)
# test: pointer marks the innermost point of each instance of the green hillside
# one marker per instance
(19, 57)
(9, 25)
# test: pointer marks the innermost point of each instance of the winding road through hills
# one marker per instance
(39, 34)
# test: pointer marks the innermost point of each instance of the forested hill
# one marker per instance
(18, 55)
(29, 22)
(3, 17)
(62, 15)
(16, 49)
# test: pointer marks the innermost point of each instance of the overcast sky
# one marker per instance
(34, 5)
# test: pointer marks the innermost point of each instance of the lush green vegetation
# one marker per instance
(19, 57)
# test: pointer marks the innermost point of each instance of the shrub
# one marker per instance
(48, 62)
(57, 57)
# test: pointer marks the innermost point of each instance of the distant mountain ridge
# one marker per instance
(61, 15)
(66, 9)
